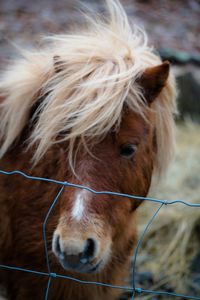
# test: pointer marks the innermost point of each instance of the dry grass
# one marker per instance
(173, 239)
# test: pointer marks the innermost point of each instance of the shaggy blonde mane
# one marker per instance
(98, 69)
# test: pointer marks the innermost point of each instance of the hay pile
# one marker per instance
(171, 248)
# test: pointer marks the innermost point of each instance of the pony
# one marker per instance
(92, 107)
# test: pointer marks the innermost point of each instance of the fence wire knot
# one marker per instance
(138, 290)
(53, 275)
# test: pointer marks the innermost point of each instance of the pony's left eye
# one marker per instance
(127, 151)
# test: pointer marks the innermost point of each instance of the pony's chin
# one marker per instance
(83, 269)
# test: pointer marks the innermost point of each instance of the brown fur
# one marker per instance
(26, 204)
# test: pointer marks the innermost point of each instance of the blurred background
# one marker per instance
(169, 258)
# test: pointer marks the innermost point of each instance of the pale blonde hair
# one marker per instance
(98, 68)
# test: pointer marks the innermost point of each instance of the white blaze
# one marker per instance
(78, 209)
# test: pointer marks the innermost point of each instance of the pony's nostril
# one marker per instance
(90, 247)
(57, 245)
(89, 251)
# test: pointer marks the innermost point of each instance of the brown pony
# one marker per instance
(92, 108)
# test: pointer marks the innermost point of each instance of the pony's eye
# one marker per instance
(128, 150)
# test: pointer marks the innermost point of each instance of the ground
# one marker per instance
(169, 258)
(169, 24)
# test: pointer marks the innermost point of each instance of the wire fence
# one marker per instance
(135, 291)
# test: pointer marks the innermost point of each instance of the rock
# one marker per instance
(189, 97)
(144, 279)
(177, 57)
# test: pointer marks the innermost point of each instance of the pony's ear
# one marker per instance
(153, 80)
(58, 63)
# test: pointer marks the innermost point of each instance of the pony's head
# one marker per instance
(106, 98)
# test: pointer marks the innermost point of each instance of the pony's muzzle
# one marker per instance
(76, 255)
